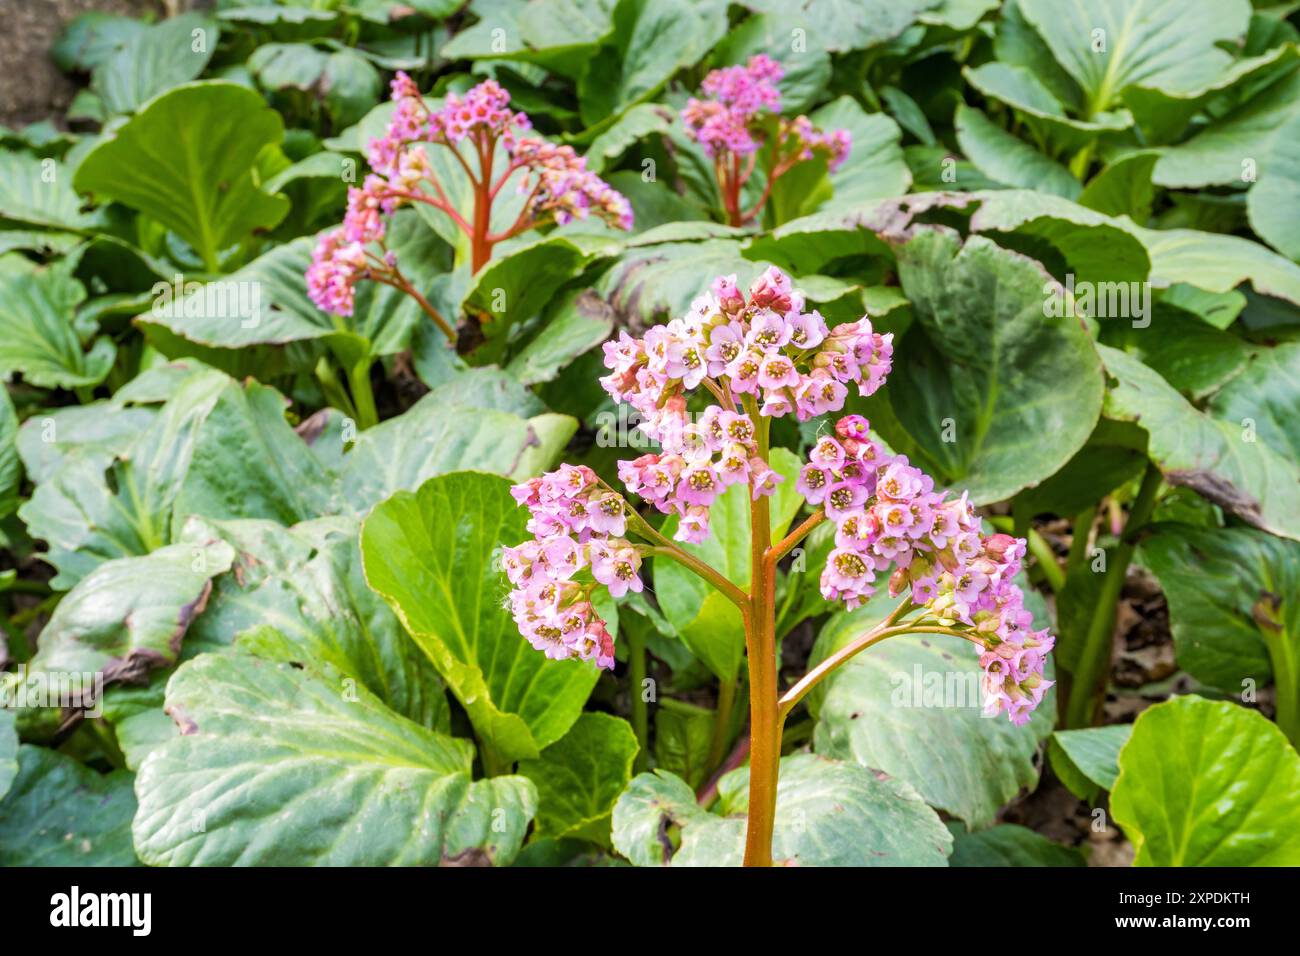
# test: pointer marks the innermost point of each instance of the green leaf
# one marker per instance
(1001, 156)
(1010, 845)
(164, 55)
(91, 37)
(705, 619)
(560, 35)
(1234, 603)
(1215, 263)
(1020, 88)
(1098, 248)
(1108, 46)
(451, 429)
(912, 708)
(307, 583)
(277, 766)
(842, 25)
(1123, 188)
(1098, 468)
(828, 813)
(1252, 146)
(130, 615)
(520, 281)
(683, 732)
(186, 160)
(650, 41)
(1208, 783)
(1089, 758)
(1191, 355)
(59, 812)
(640, 121)
(429, 554)
(1258, 483)
(875, 168)
(38, 337)
(580, 321)
(11, 467)
(39, 192)
(580, 777)
(94, 505)
(984, 365)
(656, 279)
(265, 304)
(1265, 394)
(8, 750)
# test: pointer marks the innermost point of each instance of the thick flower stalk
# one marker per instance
(492, 145)
(759, 356)
(738, 116)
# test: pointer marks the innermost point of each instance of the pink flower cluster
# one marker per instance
(577, 526)
(739, 97)
(764, 348)
(565, 188)
(700, 461)
(558, 186)
(887, 514)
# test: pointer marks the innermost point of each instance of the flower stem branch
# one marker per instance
(786, 544)
(884, 630)
(399, 281)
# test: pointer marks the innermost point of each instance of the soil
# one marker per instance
(31, 87)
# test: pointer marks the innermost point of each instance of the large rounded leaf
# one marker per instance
(154, 59)
(1208, 783)
(186, 160)
(39, 192)
(130, 615)
(91, 507)
(1258, 137)
(59, 812)
(988, 392)
(432, 556)
(8, 750)
(278, 764)
(38, 338)
(912, 707)
(828, 813)
(1010, 845)
(1266, 395)
(1222, 460)
(580, 776)
(1108, 46)
(1233, 594)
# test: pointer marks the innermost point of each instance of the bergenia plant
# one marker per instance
(739, 120)
(492, 145)
(762, 356)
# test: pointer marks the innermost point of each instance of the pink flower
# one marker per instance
(616, 567)
(777, 371)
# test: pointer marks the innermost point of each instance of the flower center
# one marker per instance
(850, 565)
